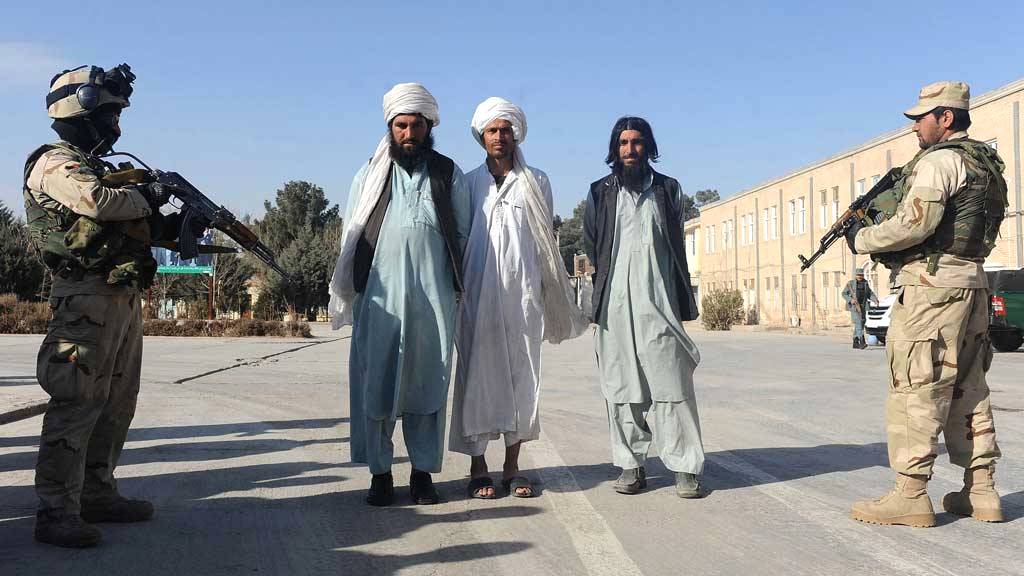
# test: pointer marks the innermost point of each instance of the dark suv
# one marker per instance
(1006, 309)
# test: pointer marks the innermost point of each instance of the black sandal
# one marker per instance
(515, 483)
(477, 484)
(382, 490)
(421, 488)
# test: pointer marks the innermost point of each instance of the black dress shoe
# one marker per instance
(382, 490)
(421, 488)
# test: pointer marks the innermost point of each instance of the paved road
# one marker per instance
(242, 446)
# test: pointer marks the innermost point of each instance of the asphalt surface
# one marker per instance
(242, 446)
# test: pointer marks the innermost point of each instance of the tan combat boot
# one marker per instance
(907, 504)
(978, 498)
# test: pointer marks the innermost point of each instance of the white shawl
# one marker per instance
(409, 98)
(562, 318)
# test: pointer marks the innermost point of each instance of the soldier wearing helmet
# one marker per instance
(95, 239)
(933, 231)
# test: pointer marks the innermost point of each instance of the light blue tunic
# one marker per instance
(404, 321)
(643, 352)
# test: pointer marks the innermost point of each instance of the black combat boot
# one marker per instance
(856, 343)
(116, 509)
(66, 530)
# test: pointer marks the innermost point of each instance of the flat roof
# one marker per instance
(976, 102)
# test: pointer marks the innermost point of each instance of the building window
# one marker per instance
(835, 203)
(691, 244)
(875, 179)
(709, 241)
(823, 211)
(824, 290)
(860, 188)
(839, 291)
(728, 234)
(803, 292)
(775, 222)
(764, 223)
(777, 295)
(802, 214)
(750, 228)
(793, 293)
(993, 144)
(792, 217)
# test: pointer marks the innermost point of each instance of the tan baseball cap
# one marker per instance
(948, 94)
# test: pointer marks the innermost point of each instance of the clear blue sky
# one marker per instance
(244, 96)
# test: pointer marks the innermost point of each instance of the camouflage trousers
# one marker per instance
(89, 364)
(938, 350)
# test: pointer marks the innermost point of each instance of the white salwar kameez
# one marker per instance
(501, 328)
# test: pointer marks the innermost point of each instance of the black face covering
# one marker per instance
(94, 133)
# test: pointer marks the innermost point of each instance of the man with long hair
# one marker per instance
(633, 235)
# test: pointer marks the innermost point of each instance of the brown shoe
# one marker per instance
(908, 504)
(978, 498)
(65, 530)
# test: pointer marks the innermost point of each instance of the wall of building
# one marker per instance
(752, 241)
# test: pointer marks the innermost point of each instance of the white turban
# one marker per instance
(562, 317)
(410, 98)
(407, 98)
(495, 108)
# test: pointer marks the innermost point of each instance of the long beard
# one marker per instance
(632, 177)
(409, 159)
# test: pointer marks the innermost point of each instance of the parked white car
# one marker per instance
(877, 323)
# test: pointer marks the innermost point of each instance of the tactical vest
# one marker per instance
(970, 222)
(72, 245)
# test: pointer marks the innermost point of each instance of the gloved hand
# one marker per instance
(156, 194)
(851, 234)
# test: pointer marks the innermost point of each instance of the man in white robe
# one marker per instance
(396, 282)
(516, 295)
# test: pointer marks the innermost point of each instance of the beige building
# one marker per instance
(751, 240)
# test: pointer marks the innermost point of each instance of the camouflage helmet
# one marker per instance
(76, 93)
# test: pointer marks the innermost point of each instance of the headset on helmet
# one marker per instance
(78, 92)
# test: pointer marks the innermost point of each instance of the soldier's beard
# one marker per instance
(409, 159)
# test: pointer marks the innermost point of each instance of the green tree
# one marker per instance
(570, 240)
(21, 272)
(705, 197)
(304, 231)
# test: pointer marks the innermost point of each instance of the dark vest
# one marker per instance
(440, 170)
(603, 198)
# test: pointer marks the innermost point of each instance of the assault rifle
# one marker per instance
(197, 212)
(856, 211)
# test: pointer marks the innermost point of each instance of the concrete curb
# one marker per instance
(22, 411)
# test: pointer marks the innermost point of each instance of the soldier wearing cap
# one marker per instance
(933, 231)
(857, 294)
(95, 239)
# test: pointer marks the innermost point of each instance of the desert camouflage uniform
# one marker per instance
(937, 343)
(90, 361)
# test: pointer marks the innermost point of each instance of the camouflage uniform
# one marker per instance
(951, 200)
(89, 362)
(937, 343)
(95, 239)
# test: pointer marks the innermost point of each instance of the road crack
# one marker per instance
(257, 361)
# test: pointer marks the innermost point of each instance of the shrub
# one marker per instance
(20, 317)
(721, 309)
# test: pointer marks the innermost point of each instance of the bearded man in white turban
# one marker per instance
(517, 294)
(396, 281)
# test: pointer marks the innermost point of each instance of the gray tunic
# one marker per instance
(643, 352)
